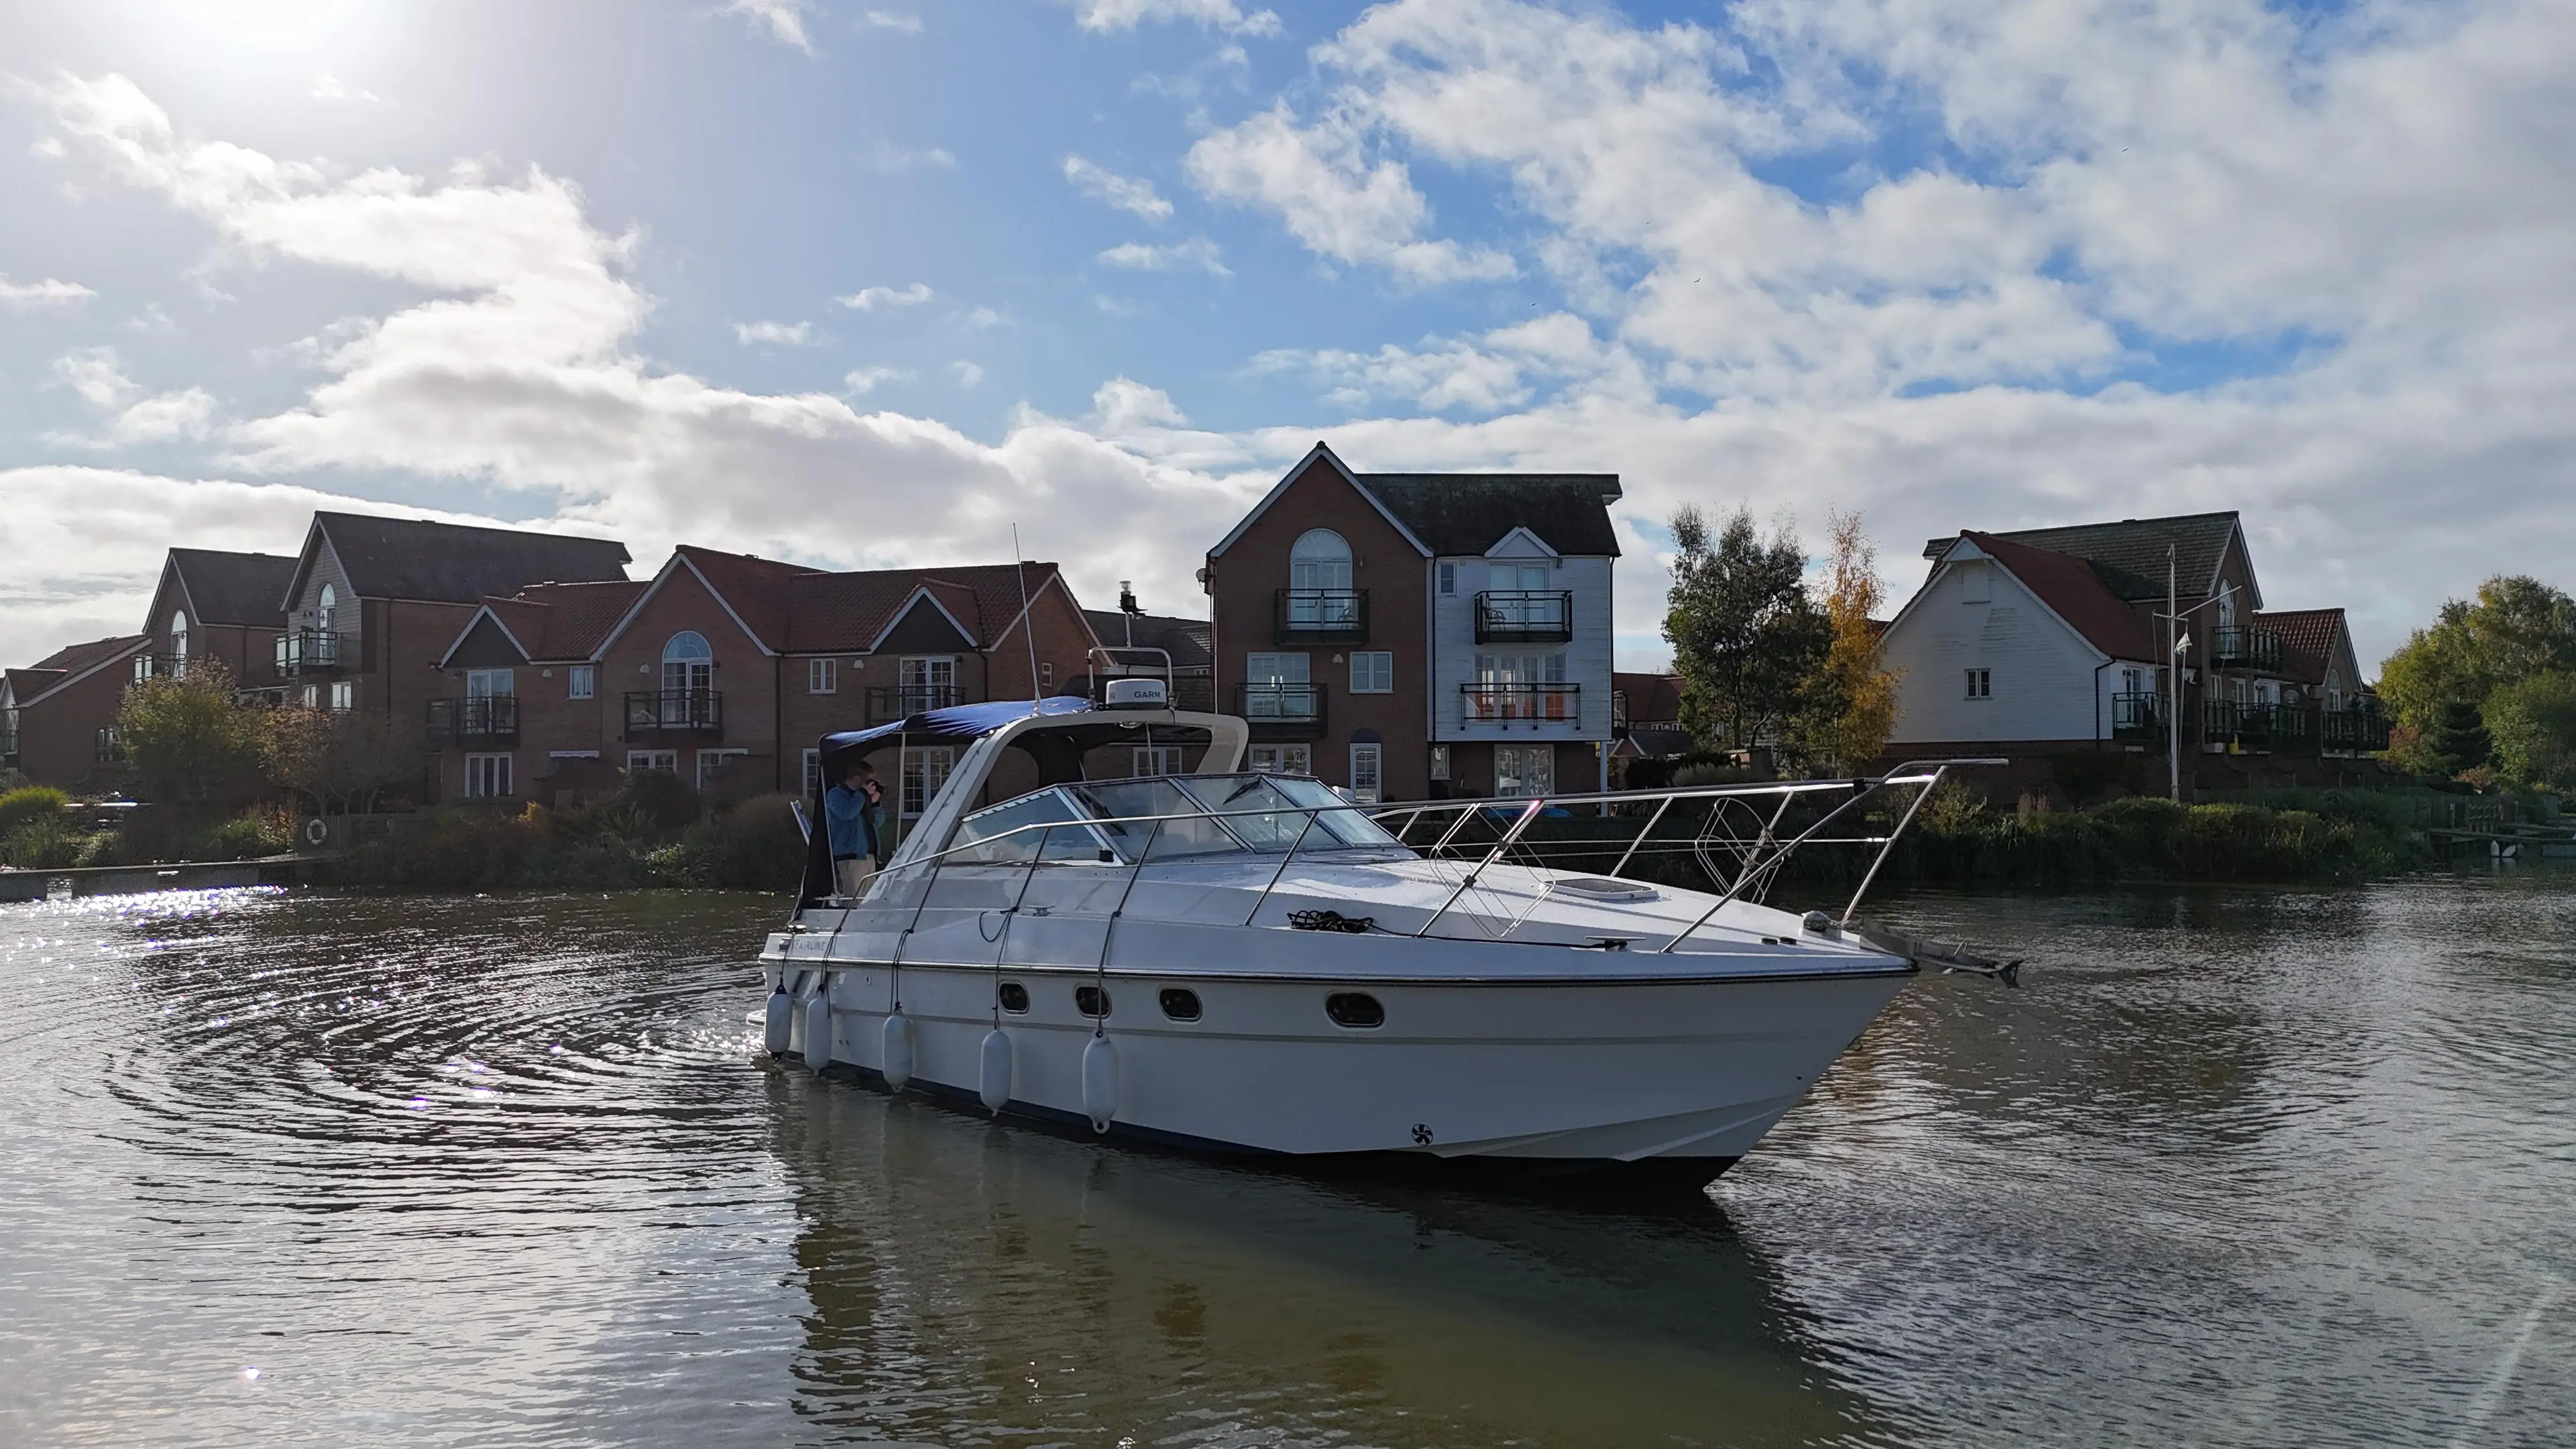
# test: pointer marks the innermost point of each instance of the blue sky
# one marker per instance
(867, 282)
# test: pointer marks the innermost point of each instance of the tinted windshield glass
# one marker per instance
(1347, 826)
(1169, 838)
(993, 828)
(1256, 811)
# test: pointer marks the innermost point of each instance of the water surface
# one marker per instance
(2233, 1167)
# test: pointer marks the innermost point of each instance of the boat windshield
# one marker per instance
(1336, 822)
(986, 839)
(1253, 812)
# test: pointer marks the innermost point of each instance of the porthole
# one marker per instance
(1180, 1003)
(1354, 1009)
(1013, 996)
(1091, 1001)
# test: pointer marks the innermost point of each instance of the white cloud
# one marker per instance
(775, 334)
(868, 299)
(886, 156)
(1123, 405)
(327, 87)
(863, 381)
(97, 375)
(780, 20)
(165, 417)
(1127, 193)
(1197, 252)
(1111, 15)
(891, 20)
(1333, 199)
(51, 292)
(966, 373)
(983, 317)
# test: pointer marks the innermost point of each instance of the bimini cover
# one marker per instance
(961, 721)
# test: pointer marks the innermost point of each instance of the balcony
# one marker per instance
(474, 721)
(661, 715)
(160, 666)
(1320, 616)
(1524, 618)
(1281, 711)
(2140, 718)
(2355, 729)
(890, 702)
(2240, 648)
(1489, 702)
(2225, 723)
(312, 651)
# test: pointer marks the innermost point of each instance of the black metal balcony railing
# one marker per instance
(1524, 617)
(2236, 647)
(311, 651)
(474, 720)
(1277, 710)
(2355, 729)
(2139, 717)
(1488, 702)
(2224, 722)
(653, 714)
(890, 702)
(160, 666)
(1323, 616)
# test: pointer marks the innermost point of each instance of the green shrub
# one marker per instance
(243, 838)
(33, 801)
(753, 846)
(46, 842)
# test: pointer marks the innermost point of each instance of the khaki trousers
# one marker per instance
(850, 876)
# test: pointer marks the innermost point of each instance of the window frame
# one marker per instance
(721, 757)
(913, 765)
(491, 777)
(1163, 754)
(1373, 793)
(1280, 756)
(1382, 681)
(810, 771)
(822, 676)
(1981, 683)
(650, 761)
(344, 696)
(581, 681)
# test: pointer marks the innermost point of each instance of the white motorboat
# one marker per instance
(1250, 963)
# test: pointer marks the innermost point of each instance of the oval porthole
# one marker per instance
(1354, 1009)
(1014, 997)
(1091, 1001)
(1180, 1003)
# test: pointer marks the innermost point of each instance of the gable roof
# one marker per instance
(407, 558)
(2130, 554)
(2307, 640)
(1467, 513)
(1650, 698)
(234, 588)
(71, 664)
(1186, 640)
(2074, 589)
(791, 609)
(552, 623)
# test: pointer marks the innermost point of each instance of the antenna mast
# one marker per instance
(1028, 625)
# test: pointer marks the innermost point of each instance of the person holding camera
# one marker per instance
(854, 817)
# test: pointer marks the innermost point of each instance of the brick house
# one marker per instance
(375, 603)
(726, 669)
(58, 715)
(1412, 635)
(2049, 646)
(1129, 636)
(1646, 718)
(227, 607)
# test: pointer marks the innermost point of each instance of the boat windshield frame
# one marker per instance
(1180, 818)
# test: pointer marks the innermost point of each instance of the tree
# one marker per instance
(2533, 722)
(189, 737)
(1747, 639)
(2456, 742)
(341, 762)
(2516, 628)
(1851, 706)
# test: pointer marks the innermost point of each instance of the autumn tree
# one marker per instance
(341, 761)
(2517, 629)
(189, 737)
(1850, 708)
(1748, 640)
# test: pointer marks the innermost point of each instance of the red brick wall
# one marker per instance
(749, 680)
(1243, 585)
(58, 737)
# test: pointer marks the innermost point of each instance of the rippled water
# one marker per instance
(2232, 1167)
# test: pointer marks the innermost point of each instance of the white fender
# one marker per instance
(1100, 1082)
(898, 1051)
(818, 1027)
(997, 1070)
(782, 1013)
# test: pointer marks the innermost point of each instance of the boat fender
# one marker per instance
(997, 1070)
(818, 1027)
(782, 1012)
(898, 1051)
(1100, 1082)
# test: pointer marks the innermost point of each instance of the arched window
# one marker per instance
(688, 664)
(1319, 559)
(328, 611)
(179, 635)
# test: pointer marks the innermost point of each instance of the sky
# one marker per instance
(865, 283)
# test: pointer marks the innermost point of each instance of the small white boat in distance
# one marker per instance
(1249, 963)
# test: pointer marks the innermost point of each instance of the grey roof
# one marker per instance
(402, 558)
(236, 588)
(1186, 640)
(2129, 555)
(1468, 513)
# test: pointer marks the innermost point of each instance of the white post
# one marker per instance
(2173, 666)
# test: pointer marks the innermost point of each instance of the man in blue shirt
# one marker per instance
(853, 818)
